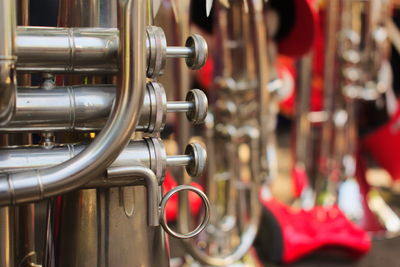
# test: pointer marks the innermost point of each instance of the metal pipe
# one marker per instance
(86, 108)
(22, 158)
(180, 160)
(55, 50)
(76, 50)
(62, 108)
(149, 152)
(8, 59)
(179, 51)
(179, 106)
(152, 187)
(6, 236)
(37, 184)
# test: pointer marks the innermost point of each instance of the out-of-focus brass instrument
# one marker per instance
(236, 134)
(356, 71)
(97, 170)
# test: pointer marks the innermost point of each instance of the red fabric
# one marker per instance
(384, 145)
(300, 180)
(195, 201)
(301, 37)
(205, 74)
(307, 231)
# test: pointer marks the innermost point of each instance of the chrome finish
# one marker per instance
(38, 184)
(108, 227)
(173, 51)
(66, 108)
(179, 160)
(179, 106)
(151, 184)
(200, 227)
(95, 50)
(63, 50)
(149, 152)
(104, 188)
(195, 51)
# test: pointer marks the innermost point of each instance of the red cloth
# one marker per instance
(195, 201)
(384, 145)
(305, 231)
(301, 37)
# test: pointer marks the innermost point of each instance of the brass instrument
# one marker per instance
(94, 178)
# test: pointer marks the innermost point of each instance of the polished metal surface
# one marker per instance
(87, 107)
(109, 228)
(55, 50)
(149, 152)
(200, 227)
(95, 50)
(102, 186)
(37, 184)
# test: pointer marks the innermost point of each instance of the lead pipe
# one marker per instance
(33, 185)
(8, 59)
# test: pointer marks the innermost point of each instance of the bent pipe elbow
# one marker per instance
(152, 188)
(37, 184)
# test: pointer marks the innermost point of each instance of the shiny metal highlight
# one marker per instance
(37, 184)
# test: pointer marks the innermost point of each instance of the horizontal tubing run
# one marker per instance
(64, 50)
(22, 158)
(83, 108)
(73, 50)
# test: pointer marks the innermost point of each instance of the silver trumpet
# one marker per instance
(82, 163)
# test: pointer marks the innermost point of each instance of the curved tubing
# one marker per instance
(8, 58)
(258, 148)
(37, 184)
(249, 234)
(152, 188)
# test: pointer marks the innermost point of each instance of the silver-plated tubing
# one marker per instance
(62, 108)
(86, 108)
(179, 51)
(8, 58)
(33, 185)
(63, 50)
(95, 50)
(149, 152)
(152, 188)
(200, 227)
(179, 106)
